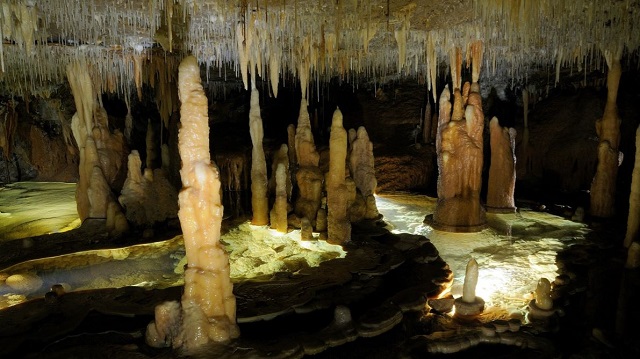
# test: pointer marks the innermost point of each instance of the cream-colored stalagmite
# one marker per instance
(308, 176)
(543, 295)
(459, 147)
(603, 187)
(259, 200)
(469, 304)
(101, 153)
(502, 172)
(338, 224)
(633, 221)
(207, 312)
(361, 164)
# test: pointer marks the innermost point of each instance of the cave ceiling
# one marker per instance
(309, 39)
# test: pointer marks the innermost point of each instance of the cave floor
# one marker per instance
(384, 277)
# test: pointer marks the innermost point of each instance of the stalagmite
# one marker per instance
(279, 211)
(101, 152)
(469, 304)
(603, 187)
(502, 172)
(543, 294)
(308, 176)
(470, 281)
(459, 146)
(633, 221)
(208, 306)
(361, 164)
(259, 200)
(339, 226)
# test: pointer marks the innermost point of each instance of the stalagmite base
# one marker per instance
(207, 310)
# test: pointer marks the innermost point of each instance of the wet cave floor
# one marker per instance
(395, 282)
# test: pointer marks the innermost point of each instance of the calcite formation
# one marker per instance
(603, 187)
(101, 152)
(470, 304)
(207, 309)
(279, 211)
(502, 172)
(259, 200)
(309, 178)
(338, 224)
(459, 146)
(633, 221)
(361, 165)
(147, 196)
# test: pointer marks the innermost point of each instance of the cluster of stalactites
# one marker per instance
(312, 40)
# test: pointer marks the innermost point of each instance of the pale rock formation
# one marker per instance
(361, 164)
(259, 199)
(502, 172)
(101, 152)
(308, 176)
(338, 224)
(470, 281)
(279, 211)
(459, 146)
(427, 123)
(208, 306)
(469, 304)
(603, 187)
(147, 196)
(633, 221)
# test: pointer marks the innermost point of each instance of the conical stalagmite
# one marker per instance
(308, 176)
(361, 164)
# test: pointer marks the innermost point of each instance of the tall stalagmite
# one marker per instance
(633, 222)
(502, 172)
(459, 146)
(207, 312)
(603, 187)
(460, 172)
(308, 175)
(339, 226)
(259, 200)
